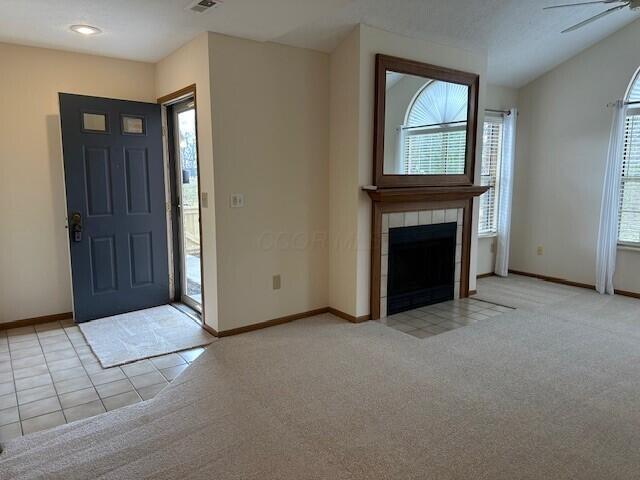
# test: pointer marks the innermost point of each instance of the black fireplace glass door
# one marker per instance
(421, 266)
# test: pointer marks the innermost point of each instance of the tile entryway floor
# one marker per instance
(49, 376)
(428, 321)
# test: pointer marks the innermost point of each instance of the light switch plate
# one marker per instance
(204, 200)
(277, 282)
(237, 200)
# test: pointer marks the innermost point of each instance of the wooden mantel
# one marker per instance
(421, 194)
(408, 199)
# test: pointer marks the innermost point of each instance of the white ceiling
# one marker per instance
(522, 41)
(148, 30)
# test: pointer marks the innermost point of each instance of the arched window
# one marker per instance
(629, 215)
(435, 130)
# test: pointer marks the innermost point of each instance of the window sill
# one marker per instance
(629, 248)
(487, 235)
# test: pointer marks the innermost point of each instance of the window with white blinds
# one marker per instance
(629, 214)
(489, 176)
(436, 151)
(434, 133)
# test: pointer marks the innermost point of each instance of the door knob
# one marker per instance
(76, 226)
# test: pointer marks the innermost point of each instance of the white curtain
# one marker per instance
(608, 231)
(505, 193)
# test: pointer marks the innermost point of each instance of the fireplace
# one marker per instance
(421, 269)
(421, 258)
(398, 208)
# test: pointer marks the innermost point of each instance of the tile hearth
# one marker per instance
(432, 320)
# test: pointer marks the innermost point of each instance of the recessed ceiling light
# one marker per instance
(85, 29)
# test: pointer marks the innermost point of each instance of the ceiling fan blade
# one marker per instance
(598, 2)
(594, 18)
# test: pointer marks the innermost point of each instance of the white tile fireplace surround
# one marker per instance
(417, 218)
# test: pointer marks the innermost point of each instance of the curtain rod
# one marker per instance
(504, 112)
(416, 127)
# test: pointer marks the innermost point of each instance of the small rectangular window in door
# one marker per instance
(132, 125)
(94, 122)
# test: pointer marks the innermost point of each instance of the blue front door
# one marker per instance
(114, 177)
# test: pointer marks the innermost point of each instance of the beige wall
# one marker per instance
(187, 66)
(563, 134)
(34, 259)
(343, 173)
(270, 110)
(501, 98)
(351, 152)
(498, 98)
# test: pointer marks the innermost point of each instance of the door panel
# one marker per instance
(103, 265)
(114, 176)
(137, 172)
(141, 252)
(97, 170)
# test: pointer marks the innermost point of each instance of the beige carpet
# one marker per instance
(528, 293)
(526, 395)
(143, 334)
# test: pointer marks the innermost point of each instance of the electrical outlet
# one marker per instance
(277, 282)
(237, 200)
(540, 250)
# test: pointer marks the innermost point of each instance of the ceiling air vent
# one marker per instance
(201, 6)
